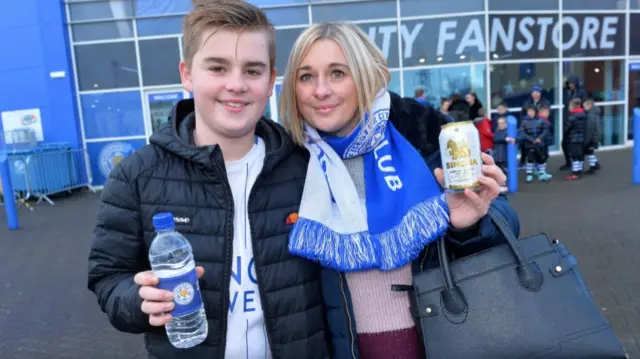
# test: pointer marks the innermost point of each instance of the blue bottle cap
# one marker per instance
(163, 221)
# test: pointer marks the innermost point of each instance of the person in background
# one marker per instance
(483, 124)
(592, 135)
(544, 114)
(420, 95)
(474, 105)
(575, 133)
(501, 111)
(459, 108)
(572, 89)
(533, 134)
(500, 142)
(535, 100)
(445, 104)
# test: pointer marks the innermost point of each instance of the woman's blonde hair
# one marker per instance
(367, 65)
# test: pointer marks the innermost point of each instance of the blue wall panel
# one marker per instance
(34, 45)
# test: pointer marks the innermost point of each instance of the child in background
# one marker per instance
(544, 113)
(500, 141)
(575, 131)
(533, 133)
(592, 135)
(483, 124)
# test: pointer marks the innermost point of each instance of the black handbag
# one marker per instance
(522, 299)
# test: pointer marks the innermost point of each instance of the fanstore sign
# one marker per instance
(463, 39)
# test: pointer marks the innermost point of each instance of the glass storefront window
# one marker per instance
(593, 35)
(161, 7)
(284, 43)
(633, 94)
(113, 114)
(612, 125)
(445, 81)
(159, 70)
(106, 66)
(354, 11)
(512, 83)
(394, 83)
(634, 33)
(434, 7)
(104, 30)
(441, 41)
(160, 26)
(506, 5)
(285, 16)
(114, 9)
(603, 80)
(594, 4)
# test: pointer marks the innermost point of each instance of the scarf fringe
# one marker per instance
(423, 224)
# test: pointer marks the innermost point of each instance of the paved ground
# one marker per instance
(47, 312)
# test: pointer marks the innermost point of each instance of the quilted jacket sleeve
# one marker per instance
(117, 254)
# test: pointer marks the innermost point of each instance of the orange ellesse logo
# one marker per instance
(292, 218)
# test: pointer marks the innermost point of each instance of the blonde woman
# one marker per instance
(371, 203)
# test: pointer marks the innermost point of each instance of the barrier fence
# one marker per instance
(29, 170)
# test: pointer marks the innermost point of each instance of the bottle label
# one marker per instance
(186, 292)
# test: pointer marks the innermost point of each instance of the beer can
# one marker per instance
(461, 158)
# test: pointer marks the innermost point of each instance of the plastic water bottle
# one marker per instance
(172, 262)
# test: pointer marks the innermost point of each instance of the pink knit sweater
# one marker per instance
(386, 329)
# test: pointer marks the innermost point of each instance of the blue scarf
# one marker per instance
(405, 207)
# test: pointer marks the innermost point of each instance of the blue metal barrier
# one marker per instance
(636, 145)
(7, 190)
(512, 153)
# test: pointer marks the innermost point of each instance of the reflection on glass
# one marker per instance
(159, 70)
(612, 125)
(502, 5)
(354, 11)
(288, 15)
(91, 31)
(113, 114)
(161, 7)
(114, 9)
(434, 7)
(443, 82)
(160, 26)
(394, 83)
(106, 66)
(595, 4)
(602, 80)
(512, 83)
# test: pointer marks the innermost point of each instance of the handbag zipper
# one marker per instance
(346, 309)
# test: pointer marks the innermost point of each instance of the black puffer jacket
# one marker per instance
(575, 127)
(171, 175)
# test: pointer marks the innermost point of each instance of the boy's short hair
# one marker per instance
(575, 102)
(503, 118)
(589, 100)
(482, 112)
(228, 14)
(419, 91)
(544, 107)
(503, 104)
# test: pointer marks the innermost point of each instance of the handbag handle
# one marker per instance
(528, 273)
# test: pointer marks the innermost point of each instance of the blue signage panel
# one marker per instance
(104, 156)
(634, 66)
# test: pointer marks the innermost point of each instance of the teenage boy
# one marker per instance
(235, 180)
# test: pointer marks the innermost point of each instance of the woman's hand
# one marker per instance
(468, 207)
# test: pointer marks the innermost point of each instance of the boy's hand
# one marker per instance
(510, 140)
(156, 302)
(537, 140)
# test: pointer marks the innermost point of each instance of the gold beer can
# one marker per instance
(460, 153)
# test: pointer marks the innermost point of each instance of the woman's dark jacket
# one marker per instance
(420, 125)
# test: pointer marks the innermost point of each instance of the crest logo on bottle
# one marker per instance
(183, 293)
